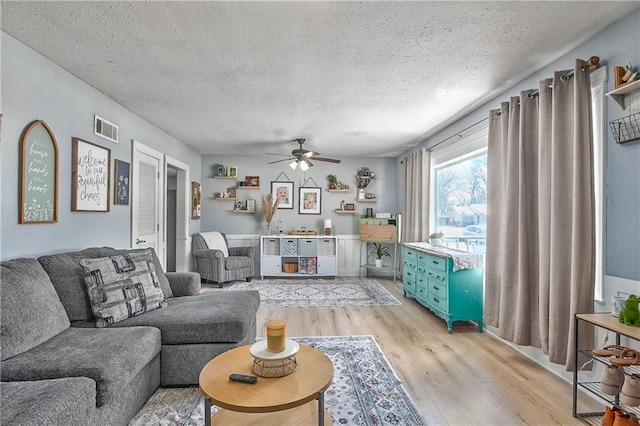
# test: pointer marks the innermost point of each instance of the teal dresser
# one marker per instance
(430, 276)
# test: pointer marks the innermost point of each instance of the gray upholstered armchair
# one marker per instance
(216, 261)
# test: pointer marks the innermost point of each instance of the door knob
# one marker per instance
(138, 241)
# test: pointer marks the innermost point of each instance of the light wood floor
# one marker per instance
(464, 378)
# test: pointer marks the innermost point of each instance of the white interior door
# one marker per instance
(148, 199)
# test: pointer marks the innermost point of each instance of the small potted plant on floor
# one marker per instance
(436, 239)
(379, 251)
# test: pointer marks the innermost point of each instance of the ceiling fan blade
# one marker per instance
(273, 153)
(328, 160)
(284, 159)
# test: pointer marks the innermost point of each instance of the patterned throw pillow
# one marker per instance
(122, 286)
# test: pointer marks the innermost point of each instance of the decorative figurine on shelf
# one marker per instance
(625, 75)
(332, 181)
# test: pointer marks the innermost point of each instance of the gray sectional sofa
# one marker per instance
(57, 368)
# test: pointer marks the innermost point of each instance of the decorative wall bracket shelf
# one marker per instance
(618, 95)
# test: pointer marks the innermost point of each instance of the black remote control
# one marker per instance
(243, 378)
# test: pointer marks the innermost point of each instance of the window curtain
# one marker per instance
(415, 201)
(540, 228)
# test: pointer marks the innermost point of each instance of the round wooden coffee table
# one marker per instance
(294, 392)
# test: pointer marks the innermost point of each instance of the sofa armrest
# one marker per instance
(242, 251)
(184, 283)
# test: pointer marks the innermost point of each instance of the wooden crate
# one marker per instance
(383, 233)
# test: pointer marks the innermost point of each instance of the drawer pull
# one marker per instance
(436, 288)
(435, 299)
(409, 273)
(435, 262)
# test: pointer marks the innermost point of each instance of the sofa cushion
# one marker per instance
(67, 277)
(30, 310)
(122, 286)
(236, 262)
(164, 281)
(216, 317)
(112, 358)
(70, 401)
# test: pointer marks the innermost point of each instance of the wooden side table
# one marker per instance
(294, 392)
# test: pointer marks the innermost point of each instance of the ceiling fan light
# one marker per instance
(304, 166)
(309, 154)
(294, 164)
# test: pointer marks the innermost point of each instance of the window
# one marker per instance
(459, 197)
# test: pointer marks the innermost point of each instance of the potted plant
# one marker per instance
(436, 239)
(332, 181)
(379, 251)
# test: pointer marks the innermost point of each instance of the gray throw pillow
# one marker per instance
(122, 286)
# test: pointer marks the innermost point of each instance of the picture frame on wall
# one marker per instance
(90, 177)
(196, 194)
(310, 200)
(121, 182)
(232, 171)
(283, 190)
(253, 181)
(38, 197)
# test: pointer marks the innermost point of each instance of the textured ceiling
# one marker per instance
(355, 78)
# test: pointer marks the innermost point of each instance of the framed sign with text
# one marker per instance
(38, 201)
(90, 177)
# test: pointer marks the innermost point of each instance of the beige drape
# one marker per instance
(540, 226)
(416, 170)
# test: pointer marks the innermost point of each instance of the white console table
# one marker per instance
(299, 256)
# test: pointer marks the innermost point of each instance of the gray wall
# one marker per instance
(617, 45)
(216, 215)
(35, 88)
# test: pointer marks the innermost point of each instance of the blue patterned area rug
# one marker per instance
(365, 390)
(323, 293)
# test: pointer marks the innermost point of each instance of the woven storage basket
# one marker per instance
(275, 367)
(290, 267)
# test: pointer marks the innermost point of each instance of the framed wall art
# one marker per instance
(310, 200)
(283, 191)
(196, 192)
(252, 181)
(38, 199)
(121, 183)
(232, 171)
(90, 177)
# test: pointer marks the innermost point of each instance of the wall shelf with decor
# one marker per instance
(244, 211)
(225, 198)
(618, 95)
(345, 211)
(339, 190)
(226, 177)
(373, 200)
(248, 187)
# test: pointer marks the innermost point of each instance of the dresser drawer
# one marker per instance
(421, 269)
(421, 288)
(409, 276)
(438, 289)
(439, 303)
(409, 254)
(437, 262)
(409, 265)
(437, 276)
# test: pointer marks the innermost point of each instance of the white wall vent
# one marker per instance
(105, 129)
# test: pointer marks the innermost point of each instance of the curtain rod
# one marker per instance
(458, 134)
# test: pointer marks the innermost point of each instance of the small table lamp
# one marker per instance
(327, 227)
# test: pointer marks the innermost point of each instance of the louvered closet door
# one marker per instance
(147, 201)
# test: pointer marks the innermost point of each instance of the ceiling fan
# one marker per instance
(301, 157)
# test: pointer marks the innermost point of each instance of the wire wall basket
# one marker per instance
(626, 129)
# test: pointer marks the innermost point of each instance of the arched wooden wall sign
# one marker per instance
(38, 175)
